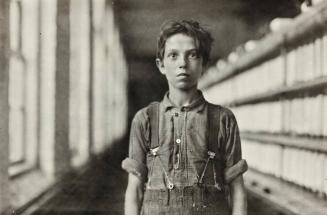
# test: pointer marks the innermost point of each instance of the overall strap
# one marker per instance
(213, 127)
(214, 146)
(153, 113)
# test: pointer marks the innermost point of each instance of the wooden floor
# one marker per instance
(100, 190)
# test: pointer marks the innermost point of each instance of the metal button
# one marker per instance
(170, 186)
(176, 114)
(178, 140)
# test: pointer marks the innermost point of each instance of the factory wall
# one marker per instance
(63, 92)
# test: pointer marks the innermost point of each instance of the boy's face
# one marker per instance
(181, 64)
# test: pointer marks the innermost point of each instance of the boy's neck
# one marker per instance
(183, 97)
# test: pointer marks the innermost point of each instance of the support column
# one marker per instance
(62, 153)
(91, 70)
(39, 80)
(4, 105)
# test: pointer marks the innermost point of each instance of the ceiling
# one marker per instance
(231, 22)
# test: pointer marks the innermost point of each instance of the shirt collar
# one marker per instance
(197, 105)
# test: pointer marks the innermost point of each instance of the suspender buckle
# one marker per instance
(211, 154)
(154, 151)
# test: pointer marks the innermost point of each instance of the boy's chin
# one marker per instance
(185, 87)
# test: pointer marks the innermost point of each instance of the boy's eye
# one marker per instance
(172, 56)
(193, 55)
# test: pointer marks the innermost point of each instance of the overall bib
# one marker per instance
(206, 195)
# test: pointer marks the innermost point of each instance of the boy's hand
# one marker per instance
(239, 202)
(133, 195)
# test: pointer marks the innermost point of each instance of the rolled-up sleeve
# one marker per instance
(138, 141)
(233, 151)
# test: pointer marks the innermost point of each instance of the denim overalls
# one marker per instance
(200, 189)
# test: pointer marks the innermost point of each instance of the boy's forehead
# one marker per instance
(181, 41)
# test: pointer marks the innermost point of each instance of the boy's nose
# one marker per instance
(182, 62)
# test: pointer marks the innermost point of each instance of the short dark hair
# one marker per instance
(190, 28)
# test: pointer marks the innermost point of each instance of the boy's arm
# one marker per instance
(234, 163)
(238, 196)
(135, 164)
(133, 195)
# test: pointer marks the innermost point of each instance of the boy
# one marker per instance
(185, 150)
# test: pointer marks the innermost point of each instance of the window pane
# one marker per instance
(16, 112)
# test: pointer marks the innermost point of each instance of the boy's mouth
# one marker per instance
(183, 75)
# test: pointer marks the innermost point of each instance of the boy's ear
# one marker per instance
(160, 66)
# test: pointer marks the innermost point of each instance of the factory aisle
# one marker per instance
(98, 190)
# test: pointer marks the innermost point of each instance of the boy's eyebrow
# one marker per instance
(176, 50)
(172, 50)
(195, 49)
